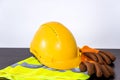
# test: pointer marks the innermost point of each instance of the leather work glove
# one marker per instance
(99, 56)
(96, 62)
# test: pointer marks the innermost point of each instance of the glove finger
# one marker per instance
(110, 69)
(90, 68)
(111, 56)
(82, 67)
(106, 58)
(91, 56)
(100, 59)
(98, 69)
(105, 71)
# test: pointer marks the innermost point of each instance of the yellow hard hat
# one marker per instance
(54, 46)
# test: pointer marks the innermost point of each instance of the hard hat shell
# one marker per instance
(54, 46)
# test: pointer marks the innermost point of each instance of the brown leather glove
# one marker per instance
(96, 68)
(97, 55)
(96, 62)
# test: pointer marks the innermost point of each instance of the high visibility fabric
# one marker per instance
(32, 72)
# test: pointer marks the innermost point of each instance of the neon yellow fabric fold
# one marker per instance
(19, 72)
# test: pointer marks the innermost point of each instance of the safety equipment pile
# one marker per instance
(55, 46)
(57, 57)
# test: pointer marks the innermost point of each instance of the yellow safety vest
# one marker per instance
(31, 69)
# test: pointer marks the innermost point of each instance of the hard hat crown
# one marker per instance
(54, 46)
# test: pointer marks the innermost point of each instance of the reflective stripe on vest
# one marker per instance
(24, 64)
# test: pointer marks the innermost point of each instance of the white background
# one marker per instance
(93, 22)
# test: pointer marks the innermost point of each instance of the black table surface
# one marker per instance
(10, 56)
